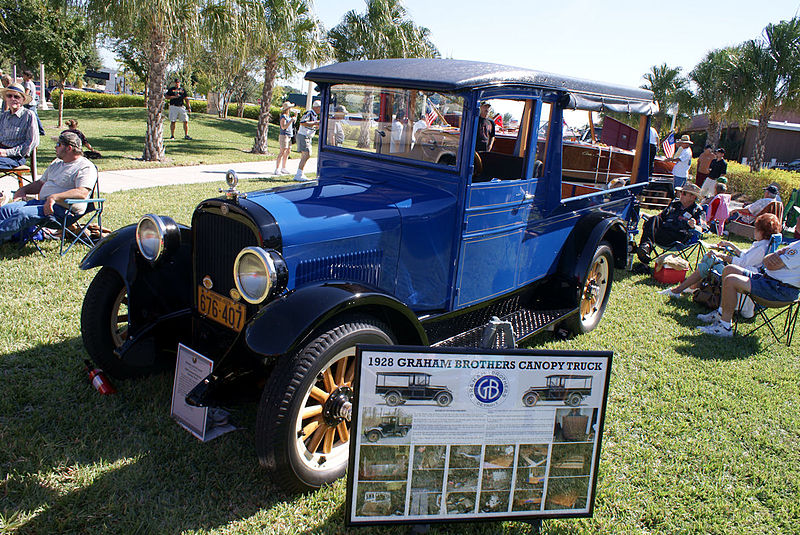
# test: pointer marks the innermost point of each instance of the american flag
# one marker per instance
(669, 145)
(430, 113)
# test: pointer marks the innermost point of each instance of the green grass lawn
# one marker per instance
(118, 133)
(702, 435)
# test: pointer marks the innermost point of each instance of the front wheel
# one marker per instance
(444, 399)
(373, 436)
(596, 288)
(104, 326)
(302, 436)
(530, 399)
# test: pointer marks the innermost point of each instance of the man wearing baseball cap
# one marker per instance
(19, 132)
(69, 176)
(674, 224)
(749, 213)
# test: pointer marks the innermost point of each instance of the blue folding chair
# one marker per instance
(73, 228)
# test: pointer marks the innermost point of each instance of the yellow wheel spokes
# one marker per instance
(317, 435)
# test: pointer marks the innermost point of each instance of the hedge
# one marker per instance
(741, 180)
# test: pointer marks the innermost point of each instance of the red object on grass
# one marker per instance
(669, 275)
(99, 380)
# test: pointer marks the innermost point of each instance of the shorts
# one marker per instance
(303, 143)
(284, 141)
(708, 264)
(178, 113)
(765, 287)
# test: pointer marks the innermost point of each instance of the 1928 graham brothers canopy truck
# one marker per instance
(408, 235)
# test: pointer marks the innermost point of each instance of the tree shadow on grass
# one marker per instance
(80, 462)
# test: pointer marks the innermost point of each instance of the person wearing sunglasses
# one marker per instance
(19, 132)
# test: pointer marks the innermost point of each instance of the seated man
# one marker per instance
(777, 280)
(19, 133)
(70, 176)
(674, 223)
(749, 213)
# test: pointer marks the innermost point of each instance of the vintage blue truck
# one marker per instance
(408, 235)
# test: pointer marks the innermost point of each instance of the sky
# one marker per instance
(614, 41)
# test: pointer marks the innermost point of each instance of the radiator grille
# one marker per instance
(217, 241)
(362, 266)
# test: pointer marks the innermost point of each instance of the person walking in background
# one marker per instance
(30, 89)
(683, 159)
(653, 147)
(179, 108)
(285, 138)
(486, 130)
(309, 123)
(703, 165)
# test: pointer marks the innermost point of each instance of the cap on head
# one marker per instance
(690, 188)
(70, 139)
(316, 104)
(772, 189)
(720, 150)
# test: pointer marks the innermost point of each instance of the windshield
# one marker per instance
(405, 123)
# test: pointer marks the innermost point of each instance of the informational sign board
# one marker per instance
(447, 434)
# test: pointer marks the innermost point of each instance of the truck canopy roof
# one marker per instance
(458, 75)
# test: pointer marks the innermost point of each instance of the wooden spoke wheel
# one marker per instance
(303, 423)
(595, 289)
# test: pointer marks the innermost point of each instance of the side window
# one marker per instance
(502, 139)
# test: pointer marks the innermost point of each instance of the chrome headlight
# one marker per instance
(259, 274)
(157, 236)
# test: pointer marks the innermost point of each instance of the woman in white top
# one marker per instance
(727, 253)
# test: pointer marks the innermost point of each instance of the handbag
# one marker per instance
(709, 293)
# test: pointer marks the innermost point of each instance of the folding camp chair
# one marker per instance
(22, 173)
(74, 228)
(692, 251)
(788, 309)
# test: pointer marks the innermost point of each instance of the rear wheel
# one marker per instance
(392, 398)
(444, 399)
(530, 399)
(596, 288)
(302, 436)
(574, 399)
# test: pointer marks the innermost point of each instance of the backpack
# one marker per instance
(709, 293)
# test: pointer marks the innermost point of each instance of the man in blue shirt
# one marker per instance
(19, 133)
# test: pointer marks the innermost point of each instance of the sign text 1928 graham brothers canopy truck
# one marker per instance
(408, 235)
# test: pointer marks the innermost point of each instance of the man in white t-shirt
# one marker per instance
(70, 176)
(749, 213)
(683, 159)
(653, 147)
(30, 88)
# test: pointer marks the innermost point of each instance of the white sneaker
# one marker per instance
(717, 330)
(299, 177)
(669, 292)
(711, 317)
(276, 172)
(285, 171)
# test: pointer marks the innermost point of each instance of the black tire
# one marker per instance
(444, 399)
(373, 436)
(595, 289)
(393, 399)
(301, 449)
(574, 399)
(104, 326)
(530, 399)
(403, 432)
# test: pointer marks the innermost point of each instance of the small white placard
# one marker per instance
(190, 368)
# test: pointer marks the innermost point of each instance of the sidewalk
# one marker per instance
(111, 181)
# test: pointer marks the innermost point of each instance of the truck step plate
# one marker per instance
(525, 323)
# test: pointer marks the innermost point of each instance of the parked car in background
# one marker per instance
(408, 235)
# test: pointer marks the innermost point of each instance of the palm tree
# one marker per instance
(766, 77)
(286, 34)
(159, 25)
(712, 76)
(669, 88)
(382, 31)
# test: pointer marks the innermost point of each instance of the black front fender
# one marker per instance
(285, 324)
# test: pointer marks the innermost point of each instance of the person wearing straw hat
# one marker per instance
(683, 159)
(19, 132)
(674, 224)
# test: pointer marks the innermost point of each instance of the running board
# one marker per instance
(524, 322)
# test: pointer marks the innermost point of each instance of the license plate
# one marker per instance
(220, 309)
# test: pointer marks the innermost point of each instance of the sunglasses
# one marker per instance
(14, 96)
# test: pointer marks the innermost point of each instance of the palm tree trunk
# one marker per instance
(713, 133)
(761, 141)
(157, 73)
(262, 131)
